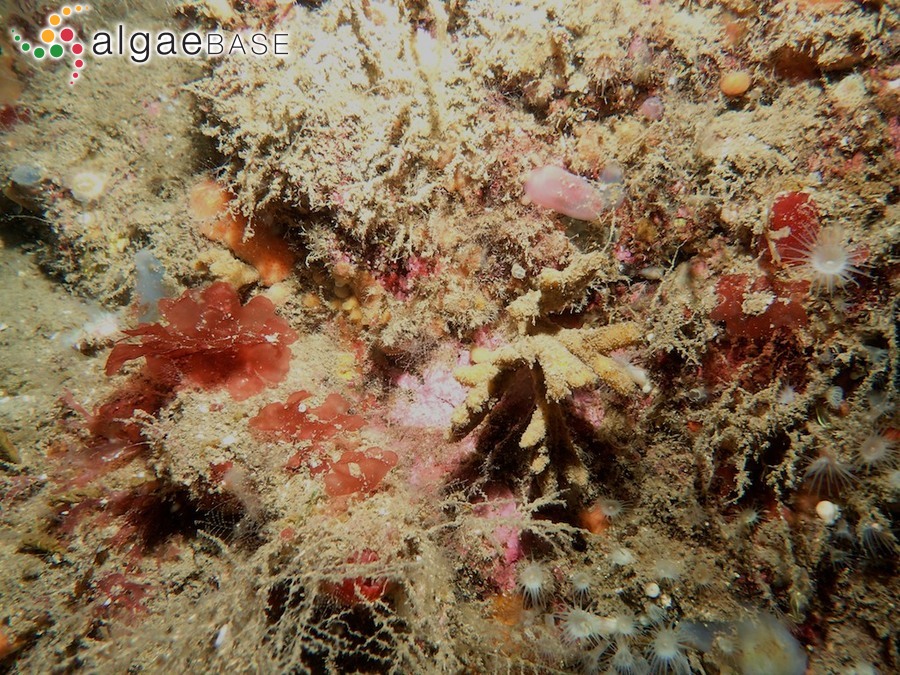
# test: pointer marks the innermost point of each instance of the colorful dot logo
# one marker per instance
(55, 39)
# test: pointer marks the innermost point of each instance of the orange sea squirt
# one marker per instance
(268, 252)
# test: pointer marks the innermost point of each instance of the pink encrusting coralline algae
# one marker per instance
(552, 187)
(429, 401)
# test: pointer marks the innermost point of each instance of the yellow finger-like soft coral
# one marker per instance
(543, 367)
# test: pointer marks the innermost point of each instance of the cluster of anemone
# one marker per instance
(828, 473)
(875, 457)
(615, 642)
(620, 642)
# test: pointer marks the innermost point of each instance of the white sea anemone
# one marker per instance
(88, 186)
(581, 586)
(667, 652)
(747, 518)
(787, 395)
(829, 260)
(535, 582)
(877, 449)
(626, 662)
(667, 569)
(828, 474)
(621, 557)
(625, 625)
(580, 626)
(611, 508)
(893, 480)
(876, 539)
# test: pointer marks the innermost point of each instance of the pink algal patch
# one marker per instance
(623, 254)
(588, 405)
(501, 506)
(400, 278)
(427, 402)
(359, 590)
(894, 135)
(294, 420)
(428, 471)
(119, 594)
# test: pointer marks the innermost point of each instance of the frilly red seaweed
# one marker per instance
(210, 340)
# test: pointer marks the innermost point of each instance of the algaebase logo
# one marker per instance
(57, 39)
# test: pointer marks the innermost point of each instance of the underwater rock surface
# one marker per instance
(544, 336)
